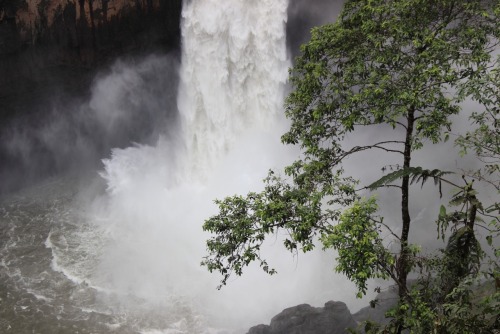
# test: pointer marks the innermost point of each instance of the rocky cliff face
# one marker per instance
(334, 318)
(48, 43)
(87, 25)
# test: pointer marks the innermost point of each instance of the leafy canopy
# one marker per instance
(402, 65)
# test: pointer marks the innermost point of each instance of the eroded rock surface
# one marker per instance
(333, 318)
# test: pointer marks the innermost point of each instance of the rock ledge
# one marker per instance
(333, 318)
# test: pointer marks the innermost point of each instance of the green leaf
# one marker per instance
(489, 239)
(417, 174)
(442, 211)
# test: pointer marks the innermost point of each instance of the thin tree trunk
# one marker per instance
(402, 268)
(104, 6)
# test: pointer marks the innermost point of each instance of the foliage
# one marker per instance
(484, 140)
(243, 223)
(360, 248)
(406, 66)
(417, 174)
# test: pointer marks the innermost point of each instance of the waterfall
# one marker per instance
(127, 259)
(138, 254)
(234, 68)
(233, 80)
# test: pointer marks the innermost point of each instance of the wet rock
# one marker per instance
(260, 329)
(334, 318)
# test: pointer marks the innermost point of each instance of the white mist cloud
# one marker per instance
(136, 96)
(148, 224)
(230, 102)
(133, 101)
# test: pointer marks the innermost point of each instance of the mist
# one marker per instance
(232, 86)
(132, 101)
(157, 139)
(65, 126)
(304, 15)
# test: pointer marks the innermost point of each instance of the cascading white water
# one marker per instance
(148, 226)
(233, 75)
(234, 67)
(130, 261)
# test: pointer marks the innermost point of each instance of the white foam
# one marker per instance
(54, 264)
(67, 271)
(233, 76)
(114, 327)
(39, 296)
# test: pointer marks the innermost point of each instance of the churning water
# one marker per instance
(127, 260)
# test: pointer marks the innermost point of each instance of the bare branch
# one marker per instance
(487, 228)
(390, 230)
(382, 186)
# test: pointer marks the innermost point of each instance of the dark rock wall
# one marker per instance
(334, 318)
(48, 45)
(306, 14)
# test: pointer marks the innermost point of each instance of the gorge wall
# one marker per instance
(61, 43)
(58, 44)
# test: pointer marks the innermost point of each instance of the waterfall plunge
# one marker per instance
(234, 68)
(233, 74)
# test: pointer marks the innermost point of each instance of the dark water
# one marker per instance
(36, 298)
(48, 249)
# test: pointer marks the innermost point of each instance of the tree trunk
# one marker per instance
(82, 10)
(402, 265)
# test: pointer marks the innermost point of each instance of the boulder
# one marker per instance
(333, 318)
(260, 329)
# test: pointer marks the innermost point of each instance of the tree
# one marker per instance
(404, 64)
(484, 140)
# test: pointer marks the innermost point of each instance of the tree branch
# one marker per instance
(389, 229)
